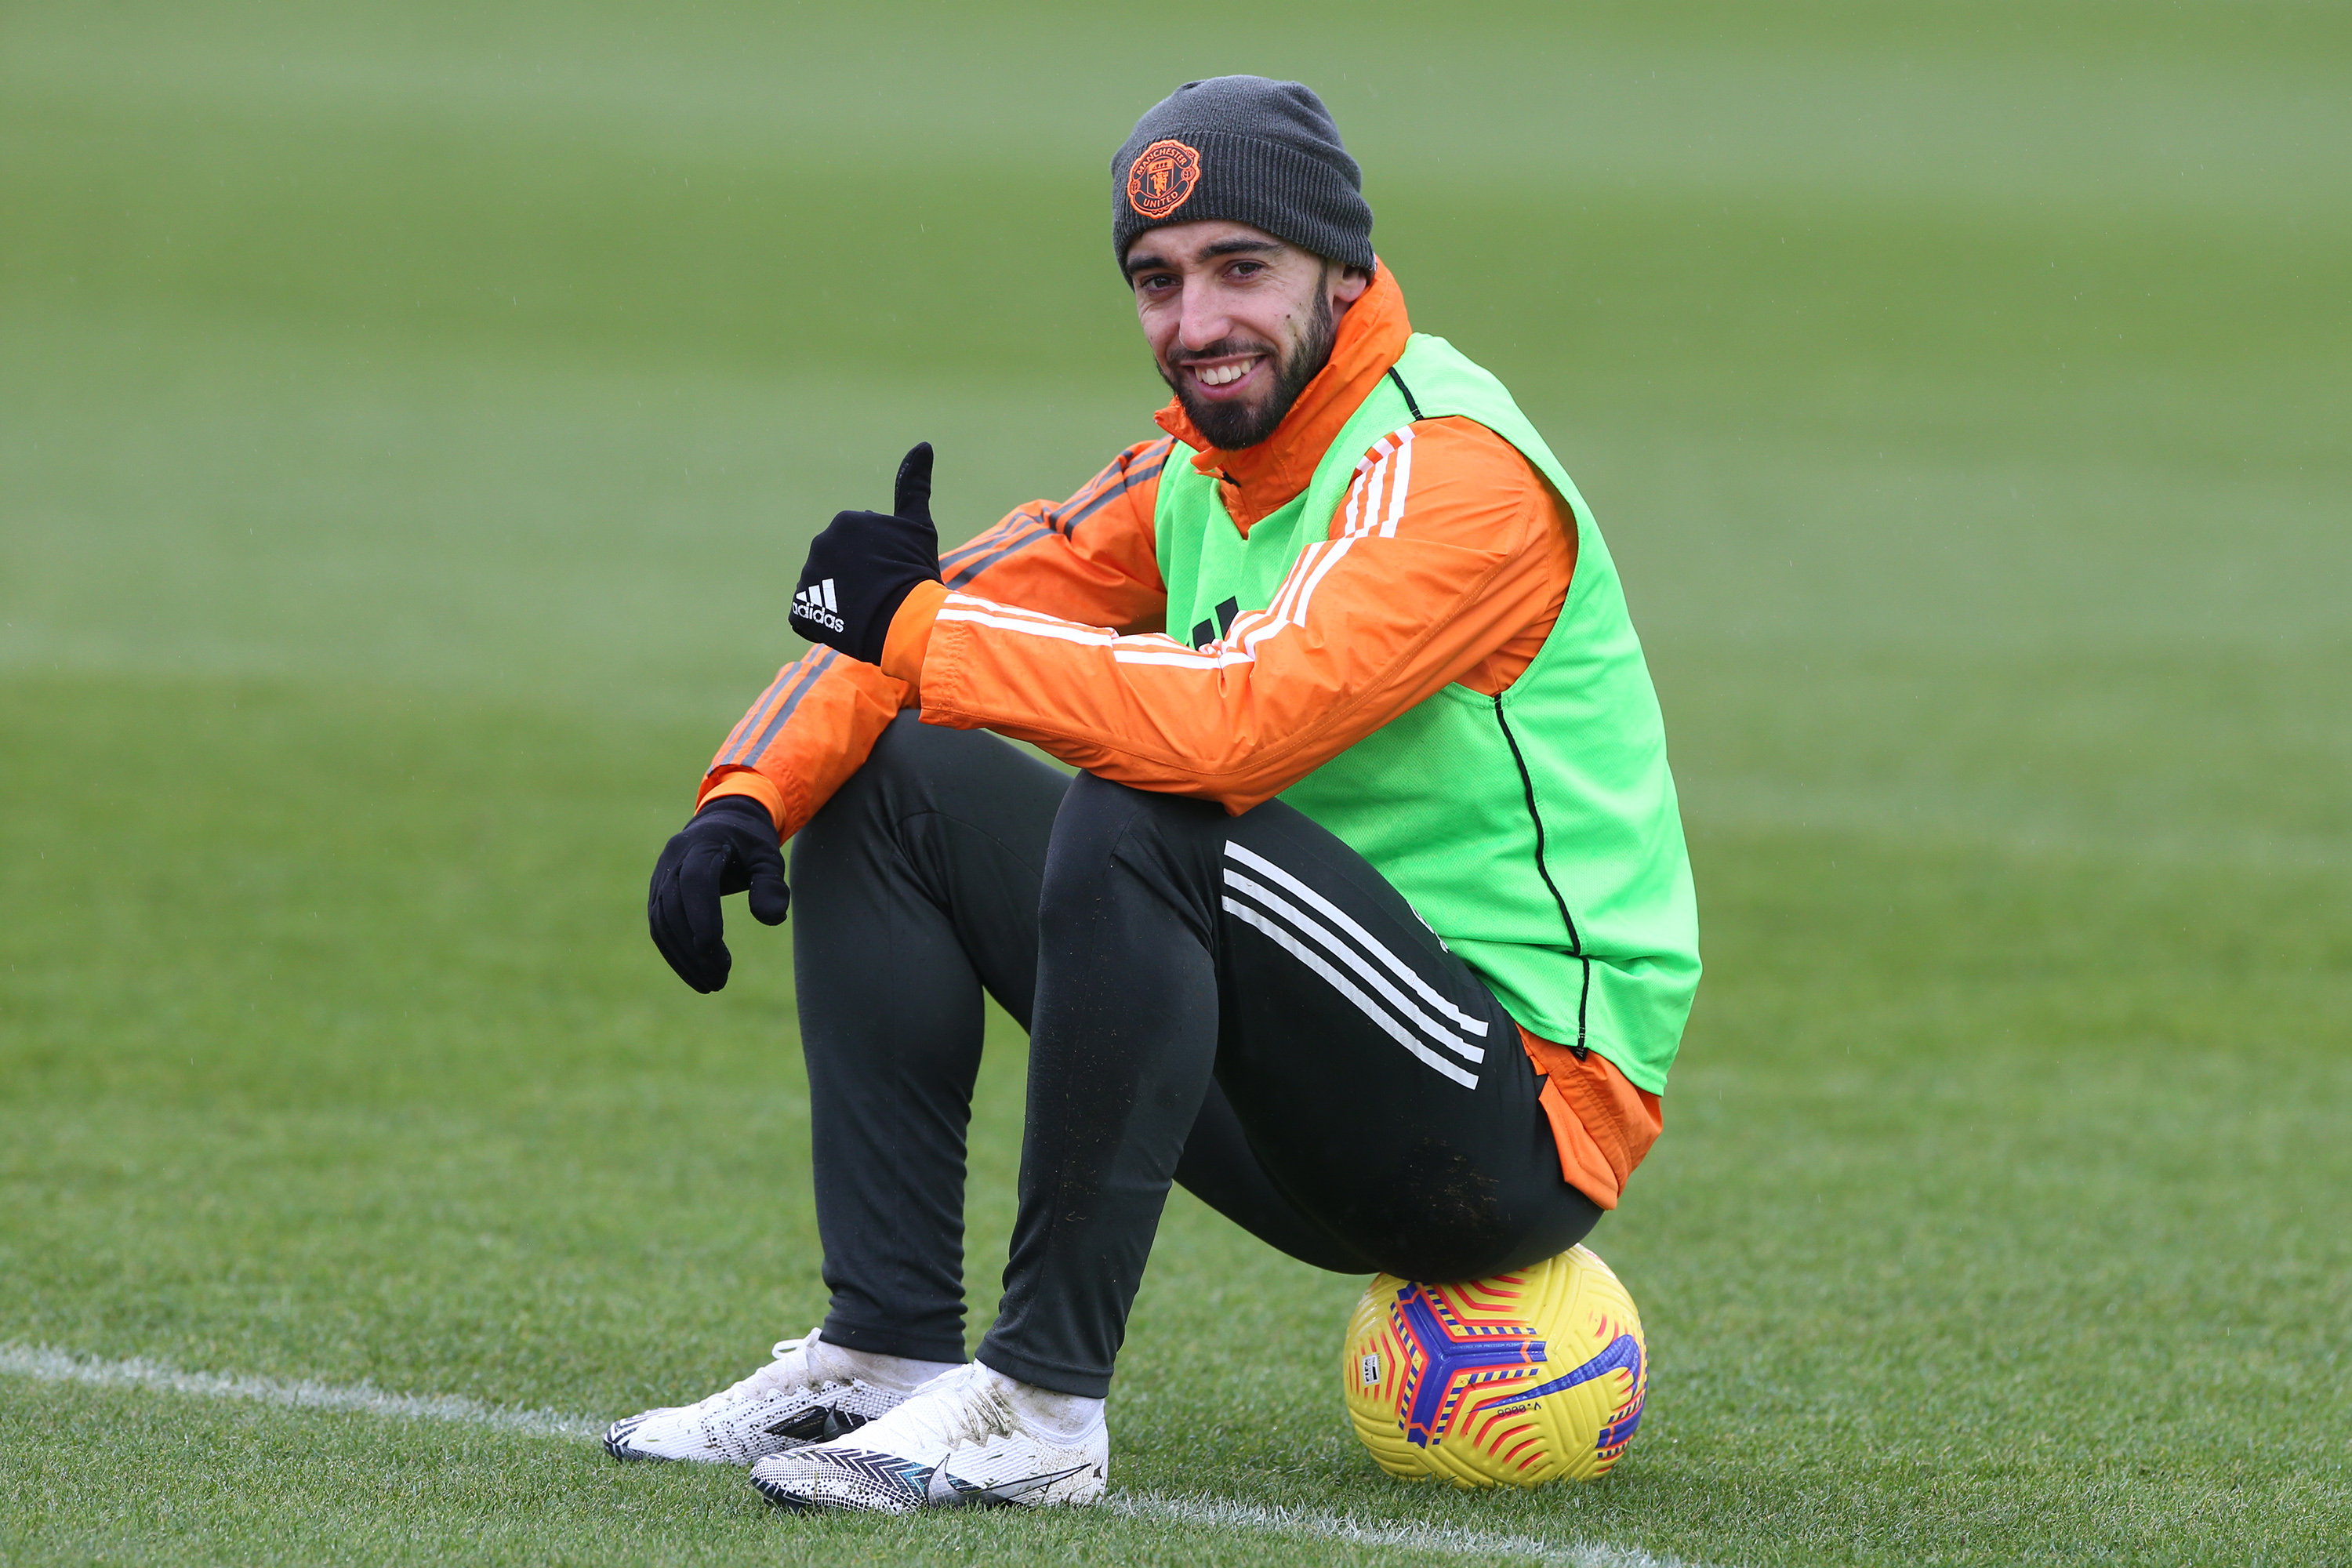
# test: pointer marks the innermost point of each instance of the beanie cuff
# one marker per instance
(1290, 193)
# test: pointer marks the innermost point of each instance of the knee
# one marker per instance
(907, 757)
(910, 749)
(1097, 807)
(1101, 818)
(1104, 829)
(897, 780)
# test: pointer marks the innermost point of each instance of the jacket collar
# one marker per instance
(1262, 478)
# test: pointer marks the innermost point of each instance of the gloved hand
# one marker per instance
(729, 846)
(862, 567)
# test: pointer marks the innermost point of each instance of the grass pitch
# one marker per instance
(409, 425)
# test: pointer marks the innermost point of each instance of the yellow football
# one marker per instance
(1531, 1377)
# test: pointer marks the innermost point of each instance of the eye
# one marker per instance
(1246, 270)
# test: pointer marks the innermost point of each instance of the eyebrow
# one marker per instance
(1235, 246)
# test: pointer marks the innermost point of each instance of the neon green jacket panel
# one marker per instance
(1537, 832)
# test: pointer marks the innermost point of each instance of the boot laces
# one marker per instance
(787, 1369)
(955, 1409)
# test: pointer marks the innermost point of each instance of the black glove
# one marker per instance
(862, 567)
(729, 846)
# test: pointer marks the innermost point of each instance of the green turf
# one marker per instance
(407, 425)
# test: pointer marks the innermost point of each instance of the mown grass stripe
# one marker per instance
(47, 1365)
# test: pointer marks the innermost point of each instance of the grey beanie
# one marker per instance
(1249, 149)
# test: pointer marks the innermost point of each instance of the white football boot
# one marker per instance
(970, 1438)
(811, 1391)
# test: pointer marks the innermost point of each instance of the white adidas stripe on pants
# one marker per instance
(1300, 934)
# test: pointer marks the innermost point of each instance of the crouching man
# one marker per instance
(1368, 917)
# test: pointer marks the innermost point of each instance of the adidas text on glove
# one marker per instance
(861, 568)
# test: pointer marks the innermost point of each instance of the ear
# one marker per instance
(1351, 286)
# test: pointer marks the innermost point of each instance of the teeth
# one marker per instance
(1223, 374)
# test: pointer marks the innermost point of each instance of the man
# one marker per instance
(1412, 1014)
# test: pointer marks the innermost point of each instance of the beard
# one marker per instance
(1231, 427)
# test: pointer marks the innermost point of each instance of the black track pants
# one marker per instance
(1243, 1004)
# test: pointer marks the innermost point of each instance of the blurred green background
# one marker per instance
(410, 420)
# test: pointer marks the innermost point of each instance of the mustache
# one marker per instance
(1223, 348)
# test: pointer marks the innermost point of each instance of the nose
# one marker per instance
(1204, 319)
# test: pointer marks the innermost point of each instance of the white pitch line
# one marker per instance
(47, 1365)
(1449, 1540)
(57, 1366)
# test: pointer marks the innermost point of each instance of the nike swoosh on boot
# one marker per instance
(945, 1490)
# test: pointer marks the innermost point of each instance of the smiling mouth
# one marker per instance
(1223, 373)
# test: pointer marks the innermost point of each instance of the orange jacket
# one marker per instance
(1448, 562)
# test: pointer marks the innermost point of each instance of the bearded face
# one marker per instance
(1238, 322)
(1231, 423)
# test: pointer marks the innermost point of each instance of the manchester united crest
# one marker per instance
(1162, 178)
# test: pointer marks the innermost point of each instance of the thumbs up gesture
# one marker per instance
(862, 567)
